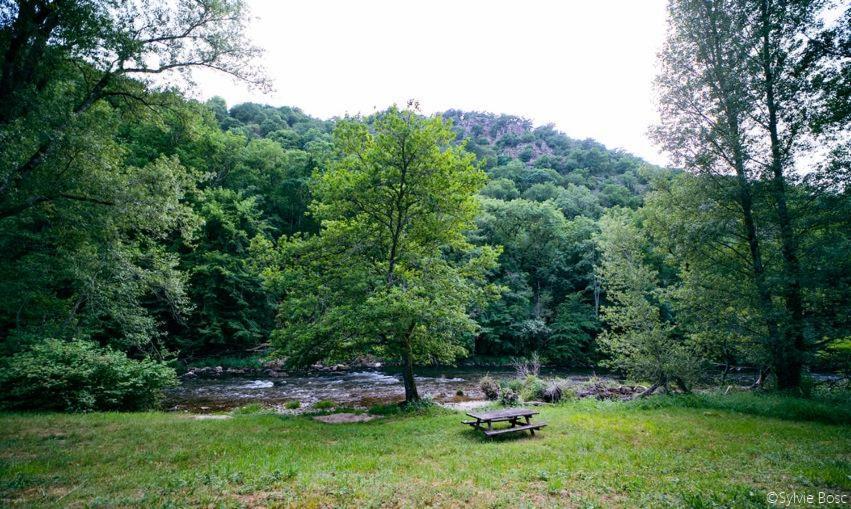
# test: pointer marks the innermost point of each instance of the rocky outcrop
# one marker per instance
(602, 391)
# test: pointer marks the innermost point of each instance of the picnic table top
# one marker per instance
(502, 414)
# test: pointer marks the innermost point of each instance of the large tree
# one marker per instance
(642, 339)
(89, 212)
(63, 58)
(390, 271)
(738, 81)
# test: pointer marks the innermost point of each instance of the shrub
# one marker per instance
(325, 404)
(508, 397)
(527, 367)
(515, 385)
(552, 393)
(533, 388)
(292, 405)
(420, 405)
(490, 387)
(81, 376)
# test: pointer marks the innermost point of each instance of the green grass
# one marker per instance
(832, 409)
(591, 455)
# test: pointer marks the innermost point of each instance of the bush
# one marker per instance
(508, 397)
(490, 387)
(292, 405)
(81, 376)
(527, 367)
(515, 385)
(325, 404)
(552, 393)
(533, 389)
(559, 390)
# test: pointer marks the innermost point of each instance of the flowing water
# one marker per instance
(356, 387)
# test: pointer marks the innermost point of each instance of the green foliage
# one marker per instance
(87, 217)
(641, 340)
(292, 405)
(80, 376)
(545, 258)
(574, 330)
(421, 406)
(533, 389)
(508, 397)
(325, 404)
(396, 273)
(232, 311)
(501, 189)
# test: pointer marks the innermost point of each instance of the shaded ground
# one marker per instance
(592, 454)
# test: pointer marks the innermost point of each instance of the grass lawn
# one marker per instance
(590, 455)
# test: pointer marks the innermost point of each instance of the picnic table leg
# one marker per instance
(528, 422)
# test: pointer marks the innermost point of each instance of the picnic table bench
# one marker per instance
(484, 421)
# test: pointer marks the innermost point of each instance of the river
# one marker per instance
(362, 387)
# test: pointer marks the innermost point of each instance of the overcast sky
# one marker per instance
(587, 66)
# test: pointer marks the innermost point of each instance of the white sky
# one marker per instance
(585, 65)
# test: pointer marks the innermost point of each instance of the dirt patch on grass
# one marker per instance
(344, 418)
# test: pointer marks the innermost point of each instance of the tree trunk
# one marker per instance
(788, 361)
(411, 394)
(763, 293)
(650, 390)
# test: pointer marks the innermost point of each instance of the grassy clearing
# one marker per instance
(592, 454)
(832, 409)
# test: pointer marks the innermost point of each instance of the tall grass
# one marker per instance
(833, 409)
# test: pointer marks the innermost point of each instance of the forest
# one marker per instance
(147, 228)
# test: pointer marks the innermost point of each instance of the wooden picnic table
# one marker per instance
(484, 421)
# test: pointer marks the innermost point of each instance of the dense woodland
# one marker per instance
(151, 230)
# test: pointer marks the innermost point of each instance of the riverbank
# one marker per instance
(592, 454)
